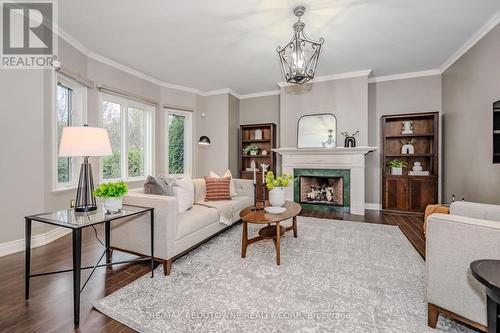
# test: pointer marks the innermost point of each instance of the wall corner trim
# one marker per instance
(18, 245)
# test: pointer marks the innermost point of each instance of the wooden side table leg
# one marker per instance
(294, 226)
(244, 240)
(278, 236)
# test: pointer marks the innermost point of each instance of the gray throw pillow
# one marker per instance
(158, 185)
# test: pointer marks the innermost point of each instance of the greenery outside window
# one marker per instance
(130, 129)
(179, 133)
(70, 110)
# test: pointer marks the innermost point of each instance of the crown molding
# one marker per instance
(260, 94)
(323, 78)
(404, 76)
(83, 49)
(220, 92)
(487, 27)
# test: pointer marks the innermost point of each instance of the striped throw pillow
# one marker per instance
(217, 188)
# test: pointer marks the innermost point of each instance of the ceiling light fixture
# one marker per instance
(300, 56)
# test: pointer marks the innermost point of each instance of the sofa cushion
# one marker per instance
(241, 202)
(184, 193)
(217, 188)
(157, 185)
(195, 219)
(232, 187)
(199, 190)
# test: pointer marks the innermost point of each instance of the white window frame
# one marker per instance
(188, 141)
(149, 134)
(78, 106)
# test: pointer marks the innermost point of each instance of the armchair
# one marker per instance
(470, 232)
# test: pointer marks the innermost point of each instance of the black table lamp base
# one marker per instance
(85, 199)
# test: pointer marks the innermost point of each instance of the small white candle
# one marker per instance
(254, 175)
(263, 173)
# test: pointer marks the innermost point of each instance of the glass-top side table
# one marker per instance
(68, 218)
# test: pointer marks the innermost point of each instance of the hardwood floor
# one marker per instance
(51, 305)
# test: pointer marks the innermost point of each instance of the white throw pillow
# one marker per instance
(184, 193)
(232, 188)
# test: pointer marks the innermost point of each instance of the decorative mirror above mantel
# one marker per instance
(317, 131)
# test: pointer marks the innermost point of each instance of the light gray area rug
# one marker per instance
(337, 276)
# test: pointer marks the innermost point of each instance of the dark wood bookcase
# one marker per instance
(268, 142)
(406, 193)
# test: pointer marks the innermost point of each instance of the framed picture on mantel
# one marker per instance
(410, 143)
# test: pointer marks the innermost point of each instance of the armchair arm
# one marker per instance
(133, 234)
(452, 243)
(244, 187)
(476, 210)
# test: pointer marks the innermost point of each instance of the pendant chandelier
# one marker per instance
(300, 56)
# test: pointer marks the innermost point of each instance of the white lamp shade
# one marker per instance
(84, 141)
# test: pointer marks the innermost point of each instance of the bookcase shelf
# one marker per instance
(267, 142)
(405, 193)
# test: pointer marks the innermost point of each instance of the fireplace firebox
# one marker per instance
(322, 188)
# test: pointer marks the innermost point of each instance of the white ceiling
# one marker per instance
(219, 44)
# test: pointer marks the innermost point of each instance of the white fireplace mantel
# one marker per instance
(325, 151)
(352, 159)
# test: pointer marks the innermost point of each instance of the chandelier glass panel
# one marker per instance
(300, 56)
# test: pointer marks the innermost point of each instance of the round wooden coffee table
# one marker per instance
(273, 230)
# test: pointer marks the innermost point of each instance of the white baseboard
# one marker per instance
(18, 245)
(373, 206)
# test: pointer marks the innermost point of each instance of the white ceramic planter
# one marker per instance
(113, 205)
(277, 197)
(253, 153)
(397, 171)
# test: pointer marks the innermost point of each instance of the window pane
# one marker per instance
(176, 144)
(63, 119)
(111, 121)
(135, 132)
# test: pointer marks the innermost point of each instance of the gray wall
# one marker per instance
(256, 110)
(26, 133)
(470, 86)
(214, 125)
(392, 97)
(347, 99)
(22, 146)
(233, 128)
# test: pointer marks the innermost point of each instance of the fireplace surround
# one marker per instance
(337, 159)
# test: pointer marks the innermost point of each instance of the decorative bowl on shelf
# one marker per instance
(274, 210)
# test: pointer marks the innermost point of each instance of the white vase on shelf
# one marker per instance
(277, 197)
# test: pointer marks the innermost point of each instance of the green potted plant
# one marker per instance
(112, 193)
(397, 166)
(276, 185)
(251, 150)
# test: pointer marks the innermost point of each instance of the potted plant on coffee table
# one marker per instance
(397, 167)
(276, 185)
(112, 193)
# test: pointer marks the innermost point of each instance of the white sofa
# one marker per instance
(470, 232)
(175, 234)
